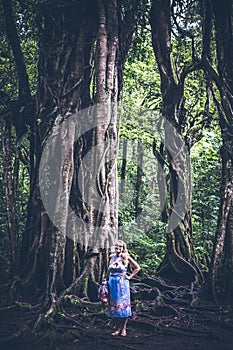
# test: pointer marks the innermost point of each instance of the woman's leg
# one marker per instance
(123, 328)
(118, 327)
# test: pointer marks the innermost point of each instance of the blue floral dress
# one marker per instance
(119, 299)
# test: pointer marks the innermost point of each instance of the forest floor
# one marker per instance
(168, 326)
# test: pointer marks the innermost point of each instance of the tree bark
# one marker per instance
(162, 181)
(11, 31)
(179, 262)
(72, 211)
(219, 284)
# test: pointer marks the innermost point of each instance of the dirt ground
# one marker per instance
(133, 341)
(199, 328)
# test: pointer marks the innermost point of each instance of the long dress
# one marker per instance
(119, 290)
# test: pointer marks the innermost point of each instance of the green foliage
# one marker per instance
(142, 92)
(150, 248)
(23, 188)
(206, 170)
(8, 78)
(25, 23)
(139, 120)
(131, 224)
(19, 149)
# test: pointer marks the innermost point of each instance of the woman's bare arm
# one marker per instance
(136, 267)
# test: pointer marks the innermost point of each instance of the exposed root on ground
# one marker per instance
(158, 308)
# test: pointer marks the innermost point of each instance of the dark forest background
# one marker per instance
(162, 159)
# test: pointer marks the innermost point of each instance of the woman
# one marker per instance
(119, 301)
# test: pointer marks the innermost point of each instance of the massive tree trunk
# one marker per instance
(219, 285)
(72, 210)
(179, 260)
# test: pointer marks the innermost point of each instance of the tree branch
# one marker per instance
(11, 32)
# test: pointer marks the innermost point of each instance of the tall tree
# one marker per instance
(220, 282)
(179, 261)
(72, 209)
